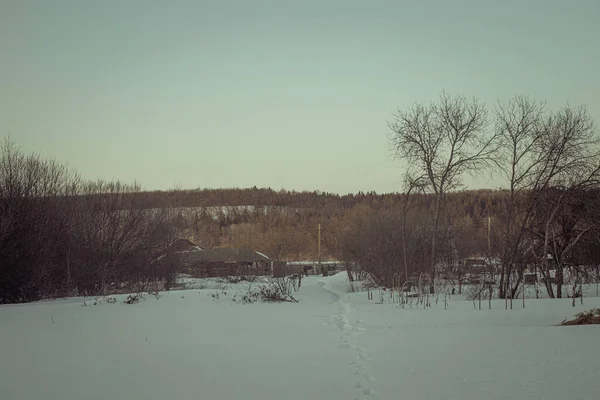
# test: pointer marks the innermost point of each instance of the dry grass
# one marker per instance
(590, 317)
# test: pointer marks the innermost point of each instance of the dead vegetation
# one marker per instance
(590, 317)
(134, 298)
(271, 290)
(234, 279)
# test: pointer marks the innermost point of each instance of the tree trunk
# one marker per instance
(103, 282)
(501, 287)
(349, 272)
(559, 281)
(597, 281)
(506, 269)
(69, 282)
(515, 288)
(546, 278)
(506, 292)
(404, 215)
(547, 266)
(436, 218)
(404, 252)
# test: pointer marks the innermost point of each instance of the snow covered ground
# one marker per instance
(199, 344)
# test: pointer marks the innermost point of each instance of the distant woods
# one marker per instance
(63, 235)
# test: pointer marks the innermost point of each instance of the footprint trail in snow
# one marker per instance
(359, 366)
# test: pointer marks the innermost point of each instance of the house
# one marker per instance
(190, 258)
(478, 270)
(179, 246)
(285, 268)
(530, 278)
(184, 245)
(475, 265)
(170, 258)
(225, 262)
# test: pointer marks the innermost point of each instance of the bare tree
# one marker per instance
(563, 219)
(443, 141)
(112, 235)
(62, 236)
(571, 152)
(546, 158)
(412, 183)
(520, 124)
(372, 241)
(32, 222)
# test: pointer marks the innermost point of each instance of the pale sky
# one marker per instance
(281, 94)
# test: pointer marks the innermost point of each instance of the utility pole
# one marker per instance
(489, 234)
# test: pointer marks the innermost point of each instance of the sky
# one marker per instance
(280, 94)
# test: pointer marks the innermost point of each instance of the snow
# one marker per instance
(261, 254)
(199, 343)
(196, 248)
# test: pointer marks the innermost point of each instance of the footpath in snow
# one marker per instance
(199, 344)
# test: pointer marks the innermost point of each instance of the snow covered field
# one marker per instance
(199, 344)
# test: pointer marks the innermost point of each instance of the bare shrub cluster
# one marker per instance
(63, 236)
(271, 290)
(590, 317)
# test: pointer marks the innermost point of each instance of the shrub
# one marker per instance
(589, 317)
(134, 298)
(239, 278)
(273, 290)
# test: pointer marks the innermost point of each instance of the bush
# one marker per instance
(590, 317)
(107, 300)
(276, 291)
(239, 278)
(134, 298)
(248, 297)
(273, 290)
(61, 235)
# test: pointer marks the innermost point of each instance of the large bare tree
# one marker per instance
(520, 122)
(412, 183)
(571, 153)
(546, 158)
(443, 141)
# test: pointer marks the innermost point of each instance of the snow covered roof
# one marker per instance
(179, 246)
(226, 255)
(261, 254)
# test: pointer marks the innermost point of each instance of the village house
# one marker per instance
(194, 260)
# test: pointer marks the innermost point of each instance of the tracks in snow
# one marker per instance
(351, 330)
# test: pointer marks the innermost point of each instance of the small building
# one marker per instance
(478, 270)
(226, 262)
(179, 246)
(475, 265)
(187, 257)
(327, 267)
(530, 278)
